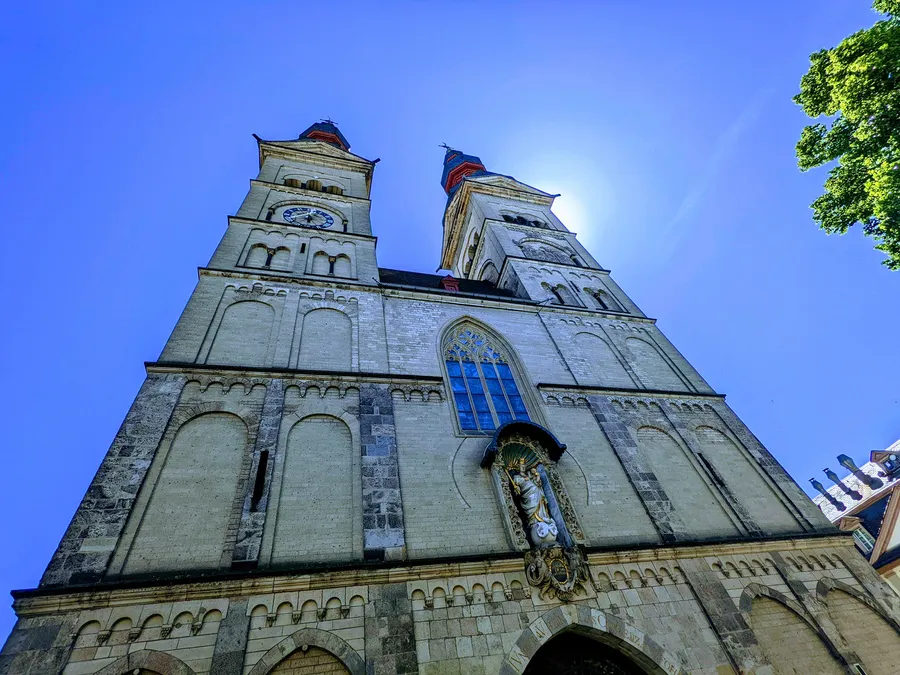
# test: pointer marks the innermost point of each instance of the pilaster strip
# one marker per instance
(38, 645)
(640, 475)
(809, 516)
(734, 634)
(84, 553)
(715, 482)
(384, 535)
(231, 640)
(253, 515)
(390, 634)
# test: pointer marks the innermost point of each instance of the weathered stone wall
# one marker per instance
(701, 610)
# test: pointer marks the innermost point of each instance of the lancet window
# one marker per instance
(483, 385)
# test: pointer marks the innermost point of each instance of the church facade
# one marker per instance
(507, 469)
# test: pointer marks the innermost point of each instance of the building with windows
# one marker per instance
(504, 469)
(863, 503)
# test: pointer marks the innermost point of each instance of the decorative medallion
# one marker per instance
(556, 572)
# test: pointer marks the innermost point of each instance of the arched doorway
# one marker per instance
(312, 660)
(573, 654)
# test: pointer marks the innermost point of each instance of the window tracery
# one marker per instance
(484, 388)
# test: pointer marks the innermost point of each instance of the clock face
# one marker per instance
(306, 216)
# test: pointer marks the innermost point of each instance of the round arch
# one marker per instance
(311, 637)
(828, 584)
(607, 629)
(147, 659)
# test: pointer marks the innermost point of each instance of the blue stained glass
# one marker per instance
(458, 386)
(480, 401)
(493, 384)
(517, 405)
(500, 404)
(467, 420)
(485, 421)
(462, 403)
(475, 386)
(470, 370)
(505, 372)
(505, 417)
(453, 368)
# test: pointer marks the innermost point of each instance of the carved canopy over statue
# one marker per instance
(540, 519)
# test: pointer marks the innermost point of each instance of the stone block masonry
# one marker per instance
(89, 541)
(383, 531)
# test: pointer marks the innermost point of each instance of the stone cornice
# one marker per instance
(326, 155)
(281, 187)
(599, 270)
(328, 283)
(425, 294)
(186, 367)
(118, 593)
(618, 391)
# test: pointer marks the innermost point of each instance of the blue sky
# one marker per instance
(667, 127)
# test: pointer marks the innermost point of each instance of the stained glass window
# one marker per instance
(483, 386)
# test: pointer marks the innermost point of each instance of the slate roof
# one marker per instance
(432, 282)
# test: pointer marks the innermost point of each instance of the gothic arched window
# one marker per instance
(484, 389)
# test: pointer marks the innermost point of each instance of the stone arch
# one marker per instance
(320, 263)
(281, 259)
(601, 361)
(489, 273)
(207, 453)
(343, 266)
(311, 637)
(243, 334)
(607, 629)
(147, 659)
(868, 631)
(543, 250)
(257, 255)
(657, 371)
(303, 485)
(787, 635)
(326, 340)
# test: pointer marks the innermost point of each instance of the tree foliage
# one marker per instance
(856, 86)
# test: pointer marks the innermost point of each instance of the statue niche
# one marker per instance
(540, 519)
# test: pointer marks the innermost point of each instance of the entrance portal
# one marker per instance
(573, 654)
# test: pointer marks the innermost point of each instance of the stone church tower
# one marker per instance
(338, 468)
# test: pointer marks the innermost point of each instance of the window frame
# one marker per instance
(500, 354)
(864, 540)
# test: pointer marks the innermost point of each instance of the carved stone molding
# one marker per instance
(343, 386)
(558, 573)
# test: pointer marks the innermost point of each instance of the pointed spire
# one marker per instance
(457, 166)
(327, 131)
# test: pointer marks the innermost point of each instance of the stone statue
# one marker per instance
(534, 503)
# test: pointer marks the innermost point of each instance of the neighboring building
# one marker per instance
(338, 468)
(862, 502)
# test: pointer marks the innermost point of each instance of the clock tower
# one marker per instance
(307, 212)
